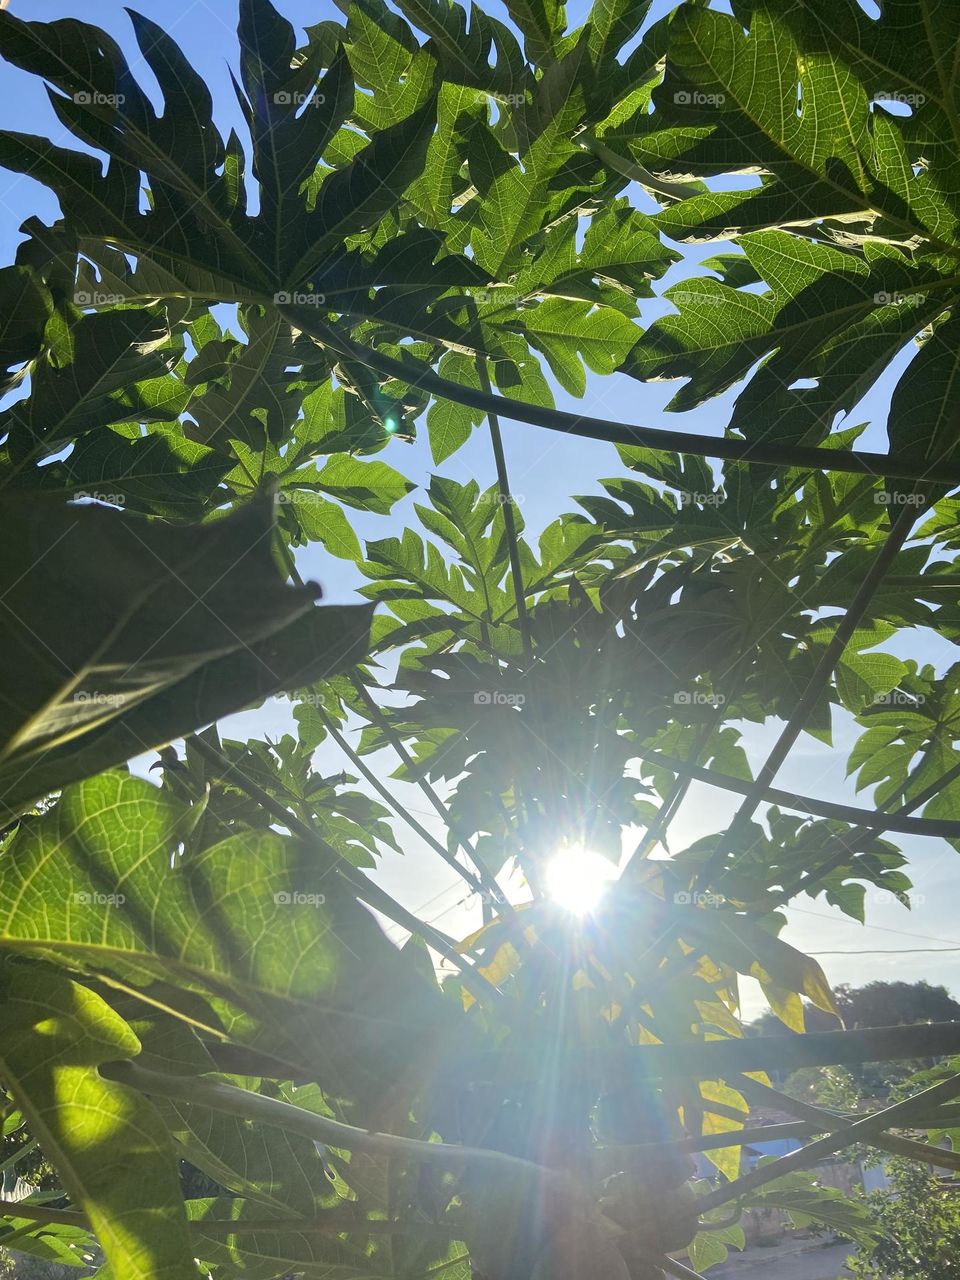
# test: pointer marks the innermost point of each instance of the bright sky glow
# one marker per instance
(576, 878)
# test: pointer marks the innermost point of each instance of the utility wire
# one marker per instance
(890, 951)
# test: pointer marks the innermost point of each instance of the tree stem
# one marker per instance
(416, 374)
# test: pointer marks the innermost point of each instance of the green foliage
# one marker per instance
(451, 191)
(832, 1087)
(917, 1220)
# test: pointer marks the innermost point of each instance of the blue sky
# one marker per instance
(545, 469)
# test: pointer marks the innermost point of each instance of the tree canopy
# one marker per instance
(433, 219)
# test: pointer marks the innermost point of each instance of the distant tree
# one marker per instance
(878, 1004)
(833, 1087)
(889, 1004)
(918, 1222)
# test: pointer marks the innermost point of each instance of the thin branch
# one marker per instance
(260, 1109)
(333, 1223)
(399, 809)
(859, 1131)
(814, 689)
(675, 1268)
(870, 820)
(363, 887)
(506, 498)
(40, 1213)
(656, 831)
(819, 1121)
(339, 1224)
(382, 723)
(844, 846)
(416, 374)
(714, 1059)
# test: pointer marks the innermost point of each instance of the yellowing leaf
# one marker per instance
(726, 1159)
(787, 1005)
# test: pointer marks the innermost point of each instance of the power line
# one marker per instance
(891, 951)
(879, 928)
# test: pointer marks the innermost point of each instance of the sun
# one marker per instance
(576, 878)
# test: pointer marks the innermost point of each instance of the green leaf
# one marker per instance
(271, 1166)
(25, 307)
(102, 369)
(108, 1143)
(542, 23)
(326, 522)
(367, 486)
(450, 424)
(160, 474)
(923, 411)
(127, 633)
(807, 1201)
(286, 959)
(483, 54)
(564, 331)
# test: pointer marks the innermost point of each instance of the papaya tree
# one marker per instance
(428, 219)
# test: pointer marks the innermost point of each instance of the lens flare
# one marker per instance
(576, 878)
